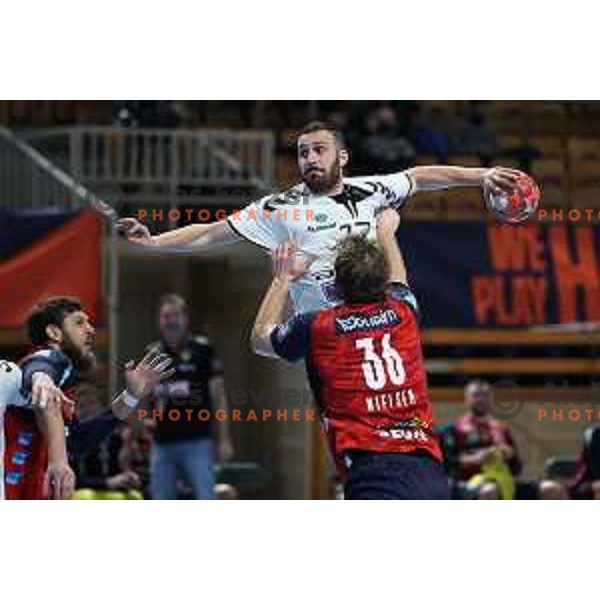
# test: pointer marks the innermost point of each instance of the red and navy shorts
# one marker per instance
(394, 476)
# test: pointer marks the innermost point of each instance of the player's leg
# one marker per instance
(163, 472)
(199, 467)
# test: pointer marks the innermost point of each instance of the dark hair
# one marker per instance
(361, 271)
(325, 126)
(51, 312)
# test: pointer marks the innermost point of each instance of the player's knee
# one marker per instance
(552, 490)
(488, 491)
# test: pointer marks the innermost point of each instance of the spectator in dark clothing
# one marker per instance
(186, 444)
(480, 454)
(107, 473)
(384, 149)
(587, 478)
(475, 135)
(431, 134)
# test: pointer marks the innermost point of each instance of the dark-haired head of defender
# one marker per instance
(62, 323)
(361, 271)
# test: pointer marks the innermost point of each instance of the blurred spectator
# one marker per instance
(480, 454)
(184, 447)
(431, 133)
(587, 478)
(524, 153)
(475, 135)
(149, 113)
(384, 149)
(106, 473)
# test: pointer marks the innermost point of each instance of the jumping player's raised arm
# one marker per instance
(256, 223)
(440, 177)
(198, 236)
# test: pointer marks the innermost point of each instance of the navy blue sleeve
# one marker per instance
(291, 340)
(84, 436)
(52, 362)
(400, 291)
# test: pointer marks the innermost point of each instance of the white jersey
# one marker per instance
(316, 223)
(10, 395)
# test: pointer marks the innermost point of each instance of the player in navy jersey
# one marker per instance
(321, 210)
(63, 340)
(365, 365)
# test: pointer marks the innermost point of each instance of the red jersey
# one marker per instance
(366, 369)
(25, 455)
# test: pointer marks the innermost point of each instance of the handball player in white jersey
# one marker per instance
(324, 207)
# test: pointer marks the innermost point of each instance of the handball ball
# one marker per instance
(515, 207)
(10, 384)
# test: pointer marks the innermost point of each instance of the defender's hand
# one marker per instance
(59, 481)
(287, 264)
(150, 371)
(44, 391)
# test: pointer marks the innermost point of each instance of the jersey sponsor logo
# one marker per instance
(19, 458)
(13, 477)
(411, 430)
(25, 439)
(359, 322)
(409, 435)
(317, 228)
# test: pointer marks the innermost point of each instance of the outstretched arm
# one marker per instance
(270, 313)
(387, 224)
(440, 177)
(141, 380)
(198, 237)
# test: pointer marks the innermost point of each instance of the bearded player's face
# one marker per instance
(320, 161)
(79, 338)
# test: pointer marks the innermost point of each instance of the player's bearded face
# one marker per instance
(320, 162)
(79, 339)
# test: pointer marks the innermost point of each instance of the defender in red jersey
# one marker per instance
(365, 366)
(35, 468)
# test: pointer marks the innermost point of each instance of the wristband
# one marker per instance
(130, 400)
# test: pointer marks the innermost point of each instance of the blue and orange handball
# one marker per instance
(515, 207)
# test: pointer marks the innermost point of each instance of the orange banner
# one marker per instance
(66, 262)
